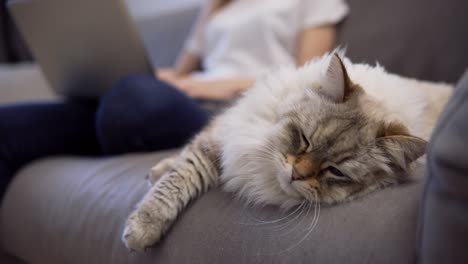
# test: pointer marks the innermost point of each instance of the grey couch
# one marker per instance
(72, 209)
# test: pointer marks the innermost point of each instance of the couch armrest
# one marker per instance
(443, 226)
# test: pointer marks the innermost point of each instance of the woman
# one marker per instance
(236, 41)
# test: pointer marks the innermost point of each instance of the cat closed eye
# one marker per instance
(335, 171)
(306, 142)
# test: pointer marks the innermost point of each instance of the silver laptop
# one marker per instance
(82, 46)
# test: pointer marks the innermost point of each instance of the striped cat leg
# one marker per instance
(160, 169)
(193, 173)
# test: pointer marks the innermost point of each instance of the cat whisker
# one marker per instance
(317, 205)
(262, 222)
(311, 226)
(290, 221)
(293, 229)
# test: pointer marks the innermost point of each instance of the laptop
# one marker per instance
(82, 46)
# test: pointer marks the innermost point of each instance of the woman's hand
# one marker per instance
(168, 75)
(224, 89)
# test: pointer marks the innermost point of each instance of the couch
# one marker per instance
(68, 209)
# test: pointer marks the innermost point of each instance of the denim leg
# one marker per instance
(34, 130)
(141, 113)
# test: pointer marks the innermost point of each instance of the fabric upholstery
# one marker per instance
(72, 210)
(424, 39)
(444, 218)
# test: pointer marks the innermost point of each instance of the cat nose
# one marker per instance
(296, 176)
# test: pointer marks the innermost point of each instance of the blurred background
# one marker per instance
(13, 49)
(424, 39)
(157, 20)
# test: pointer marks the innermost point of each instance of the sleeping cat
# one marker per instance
(327, 132)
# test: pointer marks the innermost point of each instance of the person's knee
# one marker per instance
(137, 97)
(128, 85)
(141, 113)
(120, 112)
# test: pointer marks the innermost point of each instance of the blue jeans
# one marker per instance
(140, 113)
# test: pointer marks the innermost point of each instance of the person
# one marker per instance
(236, 41)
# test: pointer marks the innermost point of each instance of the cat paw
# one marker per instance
(142, 230)
(159, 169)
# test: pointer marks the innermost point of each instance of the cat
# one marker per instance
(327, 132)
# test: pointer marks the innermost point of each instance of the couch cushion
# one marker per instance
(444, 217)
(425, 39)
(72, 210)
(23, 82)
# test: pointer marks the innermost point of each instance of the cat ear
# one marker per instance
(337, 85)
(401, 147)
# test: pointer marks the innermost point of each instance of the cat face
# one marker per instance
(328, 147)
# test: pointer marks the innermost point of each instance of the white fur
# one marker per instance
(244, 126)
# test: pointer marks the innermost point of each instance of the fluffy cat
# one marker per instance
(327, 132)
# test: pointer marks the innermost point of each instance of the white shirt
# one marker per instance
(247, 38)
